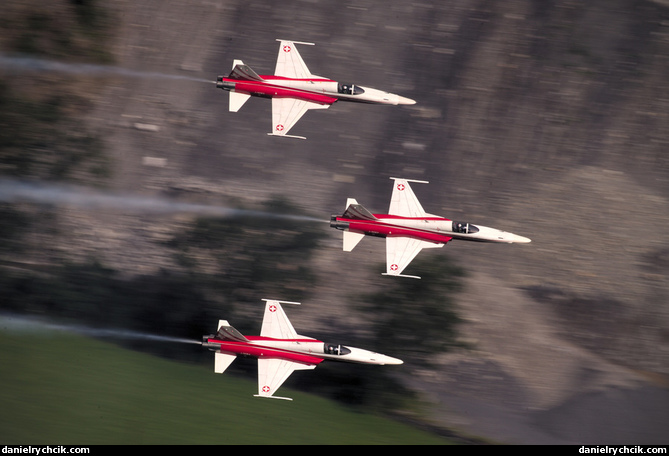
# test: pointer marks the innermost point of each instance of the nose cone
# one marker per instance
(378, 358)
(521, 239)
(390, 360)
(405, 101)
(359, 355)
(370, 95)
(487, 234)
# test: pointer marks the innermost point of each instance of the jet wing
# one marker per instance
(289, 63)
(400, 251)
(275, 323)
(287, 111)
(272, 372)
(403, 201)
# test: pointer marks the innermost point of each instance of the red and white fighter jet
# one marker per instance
(408, 228)
(280, 350)
(294, 90)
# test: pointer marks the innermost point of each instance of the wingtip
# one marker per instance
(296, 42)
(287, 136)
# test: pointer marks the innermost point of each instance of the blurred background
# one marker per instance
(120, 168)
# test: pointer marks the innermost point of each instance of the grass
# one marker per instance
(57, 388)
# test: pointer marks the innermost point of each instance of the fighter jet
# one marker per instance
(294, 90)
(280, 350)
(408, 228)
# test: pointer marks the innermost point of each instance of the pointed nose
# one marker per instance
(521, 239)
(390, 360)
(405, 101)
(395, 361)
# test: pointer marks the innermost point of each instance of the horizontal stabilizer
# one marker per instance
(351, 239)
(222, 361)
(237, 100)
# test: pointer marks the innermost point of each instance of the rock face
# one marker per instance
(543, 118)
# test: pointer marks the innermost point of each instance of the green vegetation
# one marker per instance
(418, 316)
(250, 250)
(66, 389)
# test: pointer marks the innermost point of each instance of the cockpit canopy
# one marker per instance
(335, 349)
(464, 227)
(349, 89)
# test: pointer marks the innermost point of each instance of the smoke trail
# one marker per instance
(33, 325)
(13, 191)
(24, 63)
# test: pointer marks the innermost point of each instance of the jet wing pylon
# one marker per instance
(400, 251)
(403, 201)
(273, 372)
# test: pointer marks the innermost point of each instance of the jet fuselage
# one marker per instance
(432, 229)
(306, 350)
(320, 90)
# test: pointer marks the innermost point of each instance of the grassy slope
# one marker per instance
(66, 389)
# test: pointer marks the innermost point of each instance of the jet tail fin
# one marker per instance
(243, 72)
(357, 211)
(227, 332)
